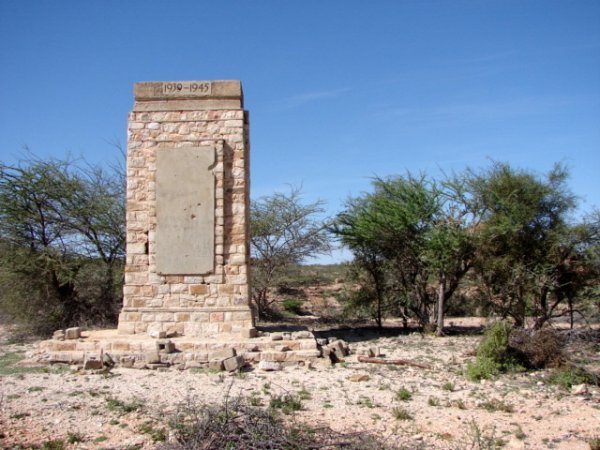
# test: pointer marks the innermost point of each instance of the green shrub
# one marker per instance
(569, 376)
(494, 405)
(448, 386)
(403, 394)
(292, 306)
(494, 354)
(74, 438)
(402, 414)
(482, 369)
(114, 404)
(55, 444)
(286, 403)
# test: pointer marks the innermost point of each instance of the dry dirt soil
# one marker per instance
(433, 408)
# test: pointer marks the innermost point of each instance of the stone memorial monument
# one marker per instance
(186, 294)
(186, 272)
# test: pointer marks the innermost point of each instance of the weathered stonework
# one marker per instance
(165, 117)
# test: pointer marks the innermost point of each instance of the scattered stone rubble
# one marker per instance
(89, 350)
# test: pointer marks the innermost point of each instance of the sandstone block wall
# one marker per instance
(212, 303)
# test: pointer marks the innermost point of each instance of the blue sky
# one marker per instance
(338, 90)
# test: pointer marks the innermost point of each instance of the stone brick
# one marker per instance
(216, 364)
(120, 346)
(199, 289)
(269, 366)
(182, 317)
(73, 333)
(59, 335)
(217, 317)
(224, 353)
(152, 357)
(249, 333)
(233, 363)
(92, 364)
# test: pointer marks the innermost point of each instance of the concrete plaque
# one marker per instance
(185, 210)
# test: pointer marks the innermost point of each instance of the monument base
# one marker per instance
(197, 322)
(142, 351)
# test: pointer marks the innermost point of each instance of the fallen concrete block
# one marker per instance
(223, 353)
(152, 357)
(92, 363)
(374, 351)
(157, 366)
(302, 335)
(126, 361)
(165, 346)
(73, 333)
(276, 336)
(59, 335)
(249, 333)
(269, 366)
(158, 334)
(194, 365)
(233, 363)
(108, 361)
(216, 364)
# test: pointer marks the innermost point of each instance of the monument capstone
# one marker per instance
(186, 271)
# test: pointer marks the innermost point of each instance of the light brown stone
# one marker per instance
(198, 289)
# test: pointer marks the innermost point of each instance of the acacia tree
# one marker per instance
(403, 234)
(530, 258)
(57, 218)
(284, 231)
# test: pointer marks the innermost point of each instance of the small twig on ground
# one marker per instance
(393, 362)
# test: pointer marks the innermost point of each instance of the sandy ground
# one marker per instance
(446, 411)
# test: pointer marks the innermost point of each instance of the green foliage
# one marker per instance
(478, 438)
(482, 368)
(530, 259)
(569, 376)
(9, 365)
(287, 403)
(494, 354)
(404, 235)
(401, 414)
(448, 386)
(156, 434)
(494, 405)
(73, 438)
(403, 394)
(504, 233)
(292, 306)
(284, 231)
(116, 405)
(59, 223)
(54, 444)
(307, 275)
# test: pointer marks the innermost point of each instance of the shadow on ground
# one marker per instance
(360, 332)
